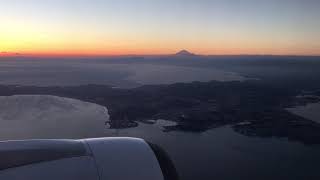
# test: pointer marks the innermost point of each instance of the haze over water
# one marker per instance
(60, 72)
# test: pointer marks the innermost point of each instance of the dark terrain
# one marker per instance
(252, 108)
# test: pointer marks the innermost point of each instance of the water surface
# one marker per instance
(42, 72)
(309, 111)
(218, 153)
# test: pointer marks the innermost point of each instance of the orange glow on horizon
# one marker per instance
(83, 51)
(146, 53)
(107, 28)
(47, 40)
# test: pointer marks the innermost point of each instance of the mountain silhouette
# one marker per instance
(184, 53)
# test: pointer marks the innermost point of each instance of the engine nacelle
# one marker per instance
(87, 159)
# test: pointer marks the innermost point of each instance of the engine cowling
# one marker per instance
(86, 159)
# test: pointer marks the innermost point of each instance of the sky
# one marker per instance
(121, 27)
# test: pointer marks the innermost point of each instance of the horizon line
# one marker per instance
(17, 54)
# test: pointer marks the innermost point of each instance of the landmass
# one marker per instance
(250, 107)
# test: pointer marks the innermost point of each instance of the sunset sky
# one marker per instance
(116, 27)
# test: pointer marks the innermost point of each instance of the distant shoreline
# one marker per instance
(148, 55)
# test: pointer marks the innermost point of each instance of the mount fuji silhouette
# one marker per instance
(184, 53)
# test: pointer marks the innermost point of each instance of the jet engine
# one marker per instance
(85, 159)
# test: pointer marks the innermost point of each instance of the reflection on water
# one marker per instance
(215, 154)
(34, 116)
(309, 111)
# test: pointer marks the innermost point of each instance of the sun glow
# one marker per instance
(63, 29)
